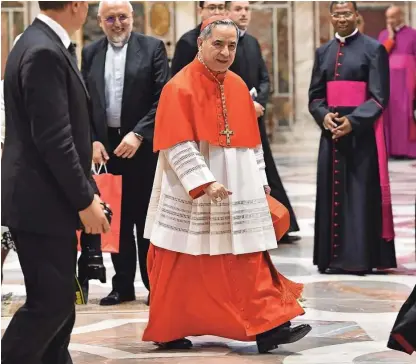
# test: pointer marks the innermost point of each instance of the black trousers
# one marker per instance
(275, 183)
(138, 175)
(40, 330)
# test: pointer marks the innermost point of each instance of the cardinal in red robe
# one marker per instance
(208, 220)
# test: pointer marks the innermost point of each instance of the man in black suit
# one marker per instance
(250, 66)
(186, 48)
(125, 73)
(46, 181)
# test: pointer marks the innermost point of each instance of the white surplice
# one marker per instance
(239, 225)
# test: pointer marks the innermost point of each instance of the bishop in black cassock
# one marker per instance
(186, 48)
(348, 93)
(250, 66)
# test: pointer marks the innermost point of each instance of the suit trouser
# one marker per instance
(138, 175)
(39, 332)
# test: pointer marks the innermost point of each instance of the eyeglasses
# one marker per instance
(121, 18)
(212, 8)
(346, 15)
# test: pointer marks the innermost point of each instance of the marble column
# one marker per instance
(184, 17)
(303, 62)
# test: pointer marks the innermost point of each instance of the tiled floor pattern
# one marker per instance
(351, 316)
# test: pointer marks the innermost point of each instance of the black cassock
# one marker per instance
(250, 66)
(185, 50)
(403, 334)
(348, 214)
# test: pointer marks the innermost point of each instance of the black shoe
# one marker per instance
(344, 272)
(271, 340)
(179, 344)
(287, 239)
(115, 298)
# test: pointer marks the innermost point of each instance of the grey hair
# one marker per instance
(207, 31)
(100, 5)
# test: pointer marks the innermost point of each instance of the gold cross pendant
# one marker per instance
(228, 133)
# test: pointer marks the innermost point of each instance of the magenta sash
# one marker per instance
(354, 93)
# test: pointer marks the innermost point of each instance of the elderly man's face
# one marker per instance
(116, 20)
(218, 51)
(394, 17)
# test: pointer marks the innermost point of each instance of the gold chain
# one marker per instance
(227, 132)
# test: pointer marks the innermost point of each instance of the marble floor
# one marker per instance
(351, 316)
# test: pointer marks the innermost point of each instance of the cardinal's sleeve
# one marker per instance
(363, 117)
(189, 165)
(318, 106)
(258, 151)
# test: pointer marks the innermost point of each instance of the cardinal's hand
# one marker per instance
(217, 192)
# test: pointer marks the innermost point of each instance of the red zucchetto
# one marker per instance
(213, 19)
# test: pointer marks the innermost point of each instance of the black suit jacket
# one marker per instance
(146, 73)
(186, 50)
(250, 66)
(46, 163)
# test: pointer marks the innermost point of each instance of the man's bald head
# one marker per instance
(116, 20)
(104, 5)
(394, 16)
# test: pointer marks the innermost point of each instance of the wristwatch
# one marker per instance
(139, 136)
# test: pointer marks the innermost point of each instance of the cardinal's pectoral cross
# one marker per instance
(228, 133)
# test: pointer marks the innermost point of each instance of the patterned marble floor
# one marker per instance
(351, 316)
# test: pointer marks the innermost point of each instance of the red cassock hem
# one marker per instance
(230, 296)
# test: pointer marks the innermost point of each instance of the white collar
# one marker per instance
(342, 39)
(241, 32)
(57, 28)
(399, 27)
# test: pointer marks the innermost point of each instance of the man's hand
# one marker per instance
(217, 192)
(99, 154)
(343, 129)
(128, 146)
(390, 31)
(259, 109)
(267, 190)
(329, 123)
(94, 219)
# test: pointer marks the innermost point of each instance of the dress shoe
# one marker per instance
(342, 271)
(287, 239)
(179, 344)
(271, 340)
(115, 298)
